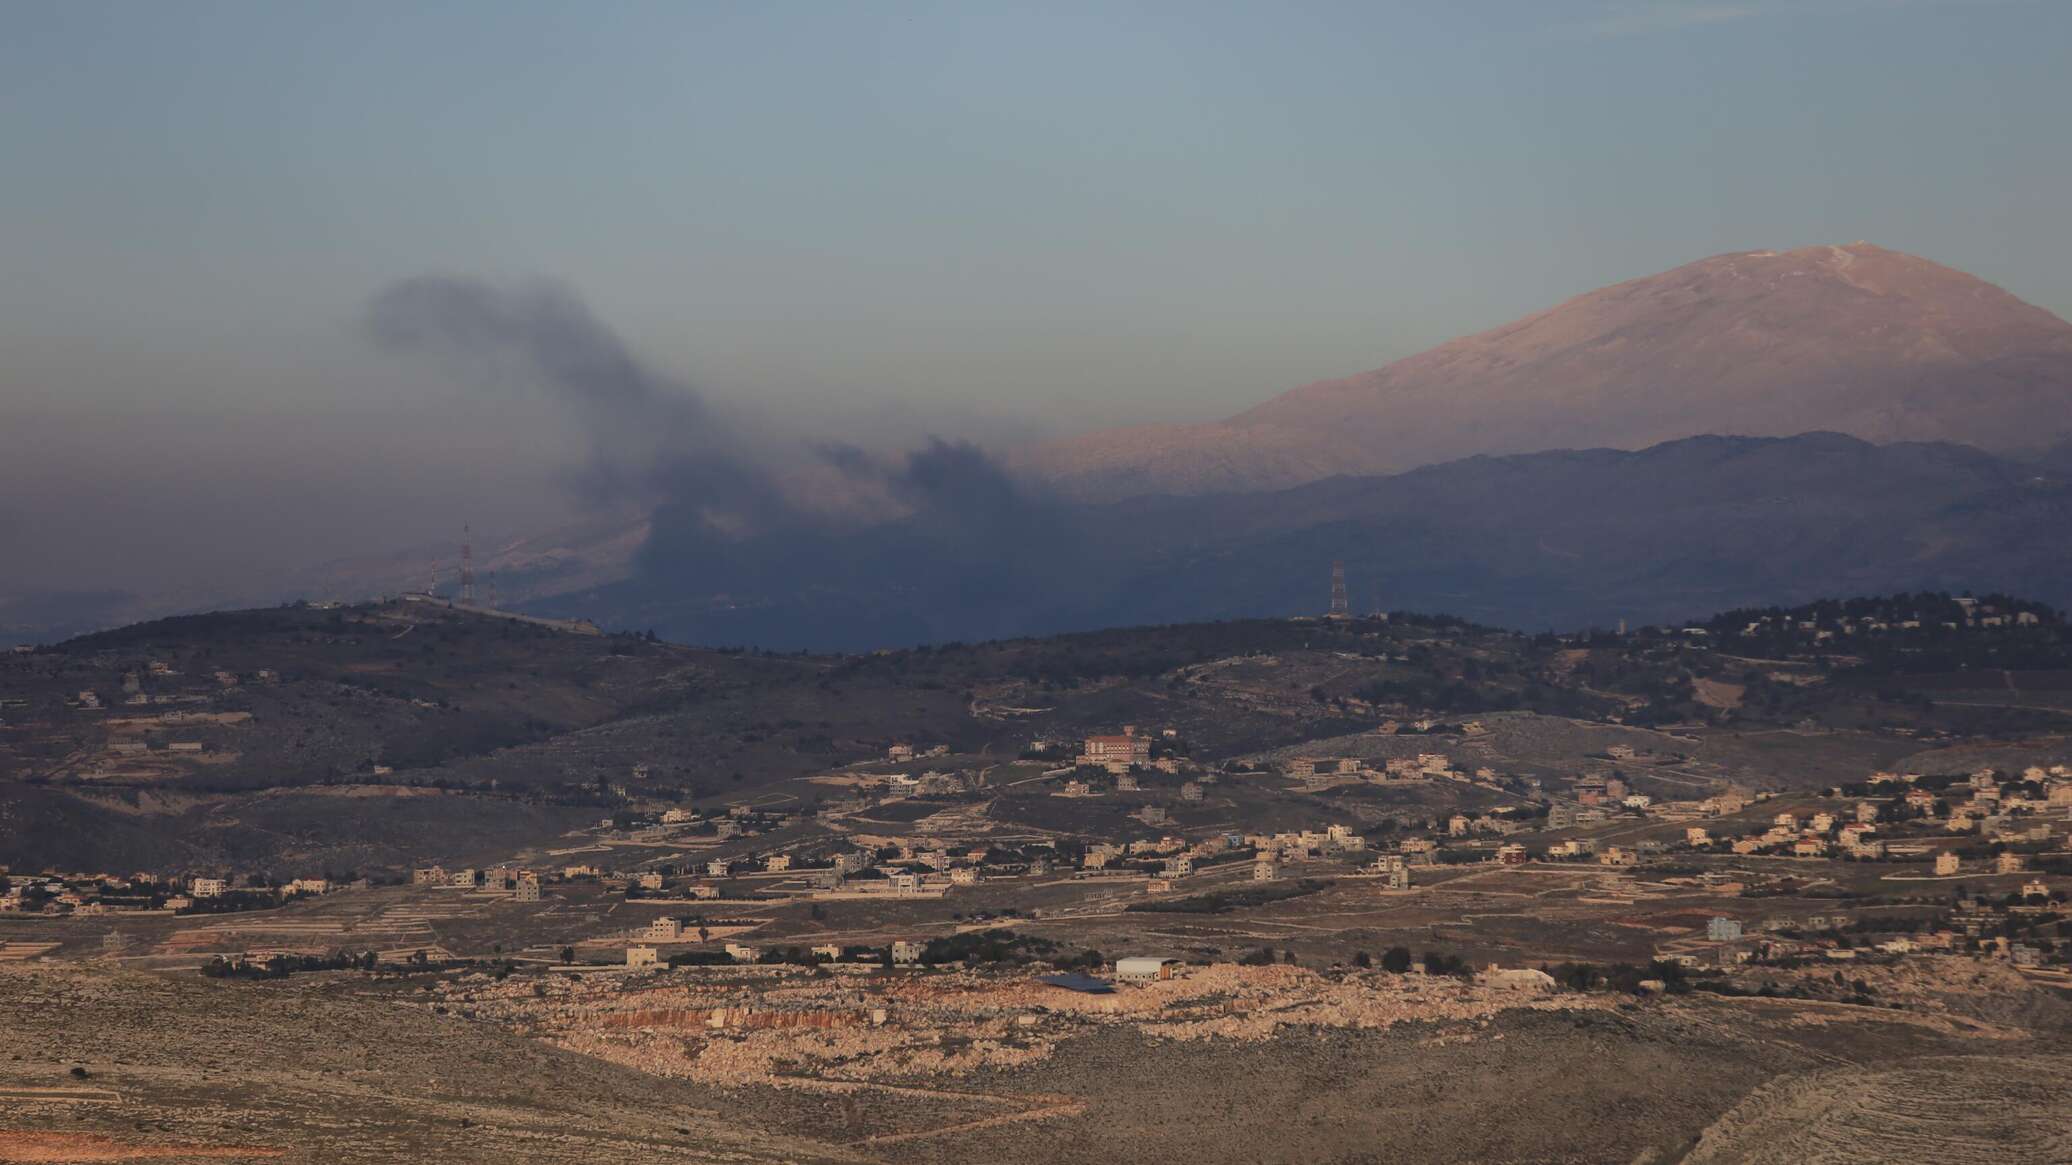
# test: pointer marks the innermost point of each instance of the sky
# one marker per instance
(879, 221)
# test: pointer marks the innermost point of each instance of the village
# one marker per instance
(928, 898)
(1906, 864)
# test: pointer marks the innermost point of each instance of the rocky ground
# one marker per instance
(1229, 1064)
(772, 1027)
(189, 1068)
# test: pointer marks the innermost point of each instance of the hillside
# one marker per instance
(1855, 339)
(1588, 538)
(392, 684)
(591, 727)
(1544, 540)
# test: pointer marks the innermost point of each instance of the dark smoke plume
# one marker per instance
(651, 434)
(542, 329)
(840, 547)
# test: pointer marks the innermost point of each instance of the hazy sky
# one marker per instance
(968, 217)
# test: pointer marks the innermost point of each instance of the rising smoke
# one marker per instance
(811, 545)
(650, 433)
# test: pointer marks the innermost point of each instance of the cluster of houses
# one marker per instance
(1965, 613)
(1425, 766)
(1980, 926)
(158, 683)
(1983, 804)
(903, 753)
(521, 884)
(2011, 809)
(732, 822)
(1815, 835)
(87, 894)
(1307, 844)
(645, 953)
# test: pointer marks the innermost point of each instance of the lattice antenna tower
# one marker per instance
(467, 565)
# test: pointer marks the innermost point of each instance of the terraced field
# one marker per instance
(1958, 1110)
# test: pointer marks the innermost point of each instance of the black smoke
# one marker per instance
(810, 546)
(651, 434)
(541, 328)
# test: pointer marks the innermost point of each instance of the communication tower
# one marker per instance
(467, 565)
(1339, 608)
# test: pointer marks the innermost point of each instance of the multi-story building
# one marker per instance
(1116, 753)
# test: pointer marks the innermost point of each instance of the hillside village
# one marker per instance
(1936, 831)
(699, 871)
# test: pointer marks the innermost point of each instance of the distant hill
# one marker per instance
(1580, 538)
(1855, 339)
(1559, 539)
(515, 569)
(378, 736)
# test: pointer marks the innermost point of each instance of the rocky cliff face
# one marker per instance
(1857, 339)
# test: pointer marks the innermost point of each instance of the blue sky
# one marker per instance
(965, 216)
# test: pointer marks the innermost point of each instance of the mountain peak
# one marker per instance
(1855, 338)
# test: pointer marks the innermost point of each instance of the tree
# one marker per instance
(1396, 960)
(568, 955)
(1362, 960)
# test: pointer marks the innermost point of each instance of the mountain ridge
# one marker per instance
(1545, 540)
(1856, 339)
